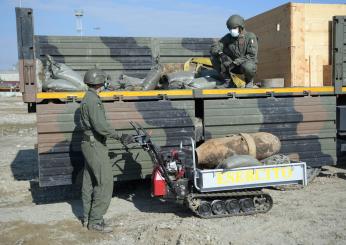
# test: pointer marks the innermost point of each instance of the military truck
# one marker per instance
(304, 118)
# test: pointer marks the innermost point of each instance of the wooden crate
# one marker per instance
(295, 43)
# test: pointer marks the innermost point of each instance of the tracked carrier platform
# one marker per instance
(214, 193)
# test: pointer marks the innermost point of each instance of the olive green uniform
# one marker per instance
(242, 51)
(97, 186)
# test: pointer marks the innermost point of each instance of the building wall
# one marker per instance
(9, 76)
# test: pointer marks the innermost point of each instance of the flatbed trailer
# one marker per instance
(304, 118)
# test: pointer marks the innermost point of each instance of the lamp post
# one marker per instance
(79, 26)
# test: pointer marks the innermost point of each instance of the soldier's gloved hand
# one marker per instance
(231, 66)
(126, 139)
(228, 64)
(237, 62)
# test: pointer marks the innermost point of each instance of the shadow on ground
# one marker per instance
(341, 175)
(138, 192)
(24, 166)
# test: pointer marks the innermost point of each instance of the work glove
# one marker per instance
(237, 62)
(226, 62)
(126, 139)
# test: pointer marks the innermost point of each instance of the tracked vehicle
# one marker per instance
(213, 193)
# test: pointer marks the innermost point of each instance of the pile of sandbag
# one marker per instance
(60, 77)
(155, 80)
(150, 82)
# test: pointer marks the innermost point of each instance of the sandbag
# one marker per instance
(211, 73)
(202, 83)
(276, 159)
(62, 71)
(259, 145)
(131, 81)
(239, 161)
(58, 85)
(114, 85)
(177, 80)
(152, 79)
(39, 74)
(125, 83)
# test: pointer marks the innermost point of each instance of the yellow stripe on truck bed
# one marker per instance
(109, 94)
(327, 89)
(79, 95)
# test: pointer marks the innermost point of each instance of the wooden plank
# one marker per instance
(317, 38)
(102, 59)
(59, 135)
(327, 75)
(298, 62)
(305, 126)
(115, 66)
(90, 39)
(274, 59)
(307, 38)
(90, 45)
(96, 52)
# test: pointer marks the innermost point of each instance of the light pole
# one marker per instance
(20, 3)
(79, 26)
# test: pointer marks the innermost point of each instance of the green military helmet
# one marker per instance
(235, 21)
(95, 77)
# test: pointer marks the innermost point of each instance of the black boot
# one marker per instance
(84, 222)
(100, 227)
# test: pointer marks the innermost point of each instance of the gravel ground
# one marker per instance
(313, 215)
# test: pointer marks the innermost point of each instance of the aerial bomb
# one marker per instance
(259, 145)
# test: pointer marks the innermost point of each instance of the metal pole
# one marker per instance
(79, 26)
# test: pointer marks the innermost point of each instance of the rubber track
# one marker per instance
(234, 194)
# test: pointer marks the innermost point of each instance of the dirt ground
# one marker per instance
(313, 215)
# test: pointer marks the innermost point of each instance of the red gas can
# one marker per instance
(158, 183)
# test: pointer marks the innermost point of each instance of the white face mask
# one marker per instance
(234, 32)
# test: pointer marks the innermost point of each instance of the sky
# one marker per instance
(136, 18)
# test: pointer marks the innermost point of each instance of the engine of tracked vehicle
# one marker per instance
(177, 167)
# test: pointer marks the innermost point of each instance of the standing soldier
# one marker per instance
(236, 52)
(98, 177)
